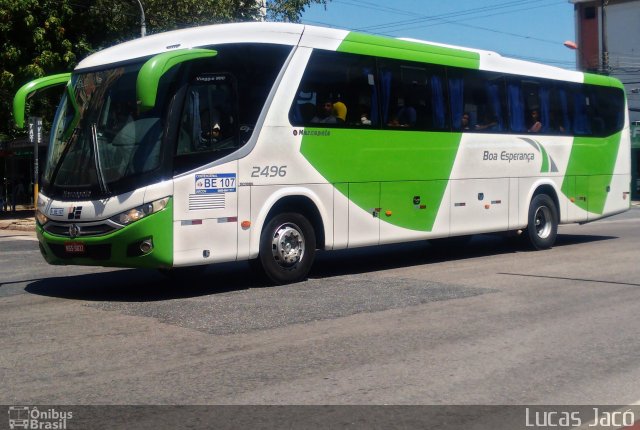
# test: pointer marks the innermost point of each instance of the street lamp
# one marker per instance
(143, 24)
(574, 47)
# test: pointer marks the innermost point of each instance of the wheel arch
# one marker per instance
(299, 200)
(549, 190)
(541, 187)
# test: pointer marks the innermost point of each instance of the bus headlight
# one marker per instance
(140, 212)
(41, 218)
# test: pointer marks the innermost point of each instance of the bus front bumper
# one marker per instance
(146, 243)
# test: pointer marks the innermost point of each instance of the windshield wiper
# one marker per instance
(63, 155)
(96, 156)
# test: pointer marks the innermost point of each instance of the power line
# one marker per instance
(506, 33)
(454, 14)
(443, 21)
(373, 6)
(423, 18)
(370, 5)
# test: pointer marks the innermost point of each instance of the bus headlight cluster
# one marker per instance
(140, 212)
(41, 218)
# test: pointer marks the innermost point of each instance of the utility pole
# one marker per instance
(143, 23)
(35, 138)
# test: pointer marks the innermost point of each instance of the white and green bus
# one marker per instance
(269, 141)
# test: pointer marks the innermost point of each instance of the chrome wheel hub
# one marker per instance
(542, 221)
(287, 245)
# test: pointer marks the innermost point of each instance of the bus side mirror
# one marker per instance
(151, 72)
(20, 99)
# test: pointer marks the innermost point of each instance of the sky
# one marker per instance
(533, 30)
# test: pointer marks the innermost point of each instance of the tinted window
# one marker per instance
(223, 100)
(606, 110)
(480, 97)
(413, 95)
(208, 122)
(337, 90)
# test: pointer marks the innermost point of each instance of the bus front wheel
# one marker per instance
(542, 227)
(287, 248)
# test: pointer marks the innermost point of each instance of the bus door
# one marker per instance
(206, 202)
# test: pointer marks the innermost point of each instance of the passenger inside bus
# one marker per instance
(534, 125)
(340, 111)
(465, 121)
(325, 113)
(405, 116)
(489, 123)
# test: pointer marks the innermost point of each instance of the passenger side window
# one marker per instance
(413, 95)
(557, 108)
(606, 110)
(477, 101)
(528, 106)
(337, 90)
(208, 121)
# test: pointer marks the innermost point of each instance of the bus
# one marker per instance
(269, 141)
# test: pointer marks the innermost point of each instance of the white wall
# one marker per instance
(623, 43)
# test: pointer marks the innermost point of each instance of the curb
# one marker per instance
(17, 227)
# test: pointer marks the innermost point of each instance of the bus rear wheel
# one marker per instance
(542, 227)
(287, 248)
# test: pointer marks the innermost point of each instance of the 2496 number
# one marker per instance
(268, 171)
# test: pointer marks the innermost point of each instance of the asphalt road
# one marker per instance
(413, 324)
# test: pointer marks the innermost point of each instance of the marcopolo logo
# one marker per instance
(305, 132)
(25, 417)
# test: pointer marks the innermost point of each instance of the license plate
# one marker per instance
(74, 247)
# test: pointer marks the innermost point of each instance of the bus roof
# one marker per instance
(330, 39)
(255, 32)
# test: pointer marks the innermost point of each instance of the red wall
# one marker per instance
(588, 43)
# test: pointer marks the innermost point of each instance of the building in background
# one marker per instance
(608, 39)
(16, 171)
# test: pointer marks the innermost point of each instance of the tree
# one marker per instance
(43, 37)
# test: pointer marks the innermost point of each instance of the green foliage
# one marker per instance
(289, 10)
(44, 37)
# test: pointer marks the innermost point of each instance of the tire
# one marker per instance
(542, 226)
(287, 248)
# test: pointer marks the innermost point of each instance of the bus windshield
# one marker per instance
(102, 144)
(99, 137)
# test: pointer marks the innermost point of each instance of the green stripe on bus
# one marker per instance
(378, 46)
(603, 81)
(407, 164)
(592, 159)
(545, 168)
